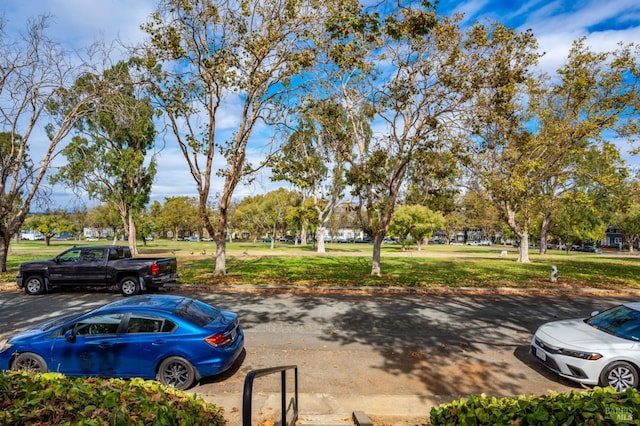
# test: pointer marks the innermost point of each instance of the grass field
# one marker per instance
(350, 265)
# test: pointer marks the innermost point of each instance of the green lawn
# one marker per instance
(350, 265)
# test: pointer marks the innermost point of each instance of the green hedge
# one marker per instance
(53, 399)
(599, 406)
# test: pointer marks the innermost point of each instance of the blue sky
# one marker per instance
(554, 23)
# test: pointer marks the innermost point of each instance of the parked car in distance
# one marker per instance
(174, 339)
(485, 243)
(366, 240)
(600, 350)
(592, 249)
(97, 266)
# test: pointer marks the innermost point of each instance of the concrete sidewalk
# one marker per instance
(329, 410)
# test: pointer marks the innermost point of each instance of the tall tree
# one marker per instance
(36, 92)
(501, 147)
(312, 160)
(401, 76)
(536, 139)
(115, 163)
(596, 97)
(217, 54)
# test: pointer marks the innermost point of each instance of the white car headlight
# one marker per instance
(591, 356)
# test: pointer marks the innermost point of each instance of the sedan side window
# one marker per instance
(99, 324)
(142, 323)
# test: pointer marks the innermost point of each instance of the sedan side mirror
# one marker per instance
(594, 313)
(69, 336)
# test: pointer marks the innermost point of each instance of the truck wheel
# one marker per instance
(129, 286)
(34, 285)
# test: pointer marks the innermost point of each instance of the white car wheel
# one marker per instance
(620, 376)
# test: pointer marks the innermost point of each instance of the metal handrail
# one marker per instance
(248, 392)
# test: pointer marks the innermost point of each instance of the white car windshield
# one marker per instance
(620, 321)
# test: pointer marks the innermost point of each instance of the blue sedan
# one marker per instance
(174, 339)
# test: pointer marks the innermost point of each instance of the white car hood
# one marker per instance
(577, 334)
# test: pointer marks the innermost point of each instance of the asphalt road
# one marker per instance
(434, 345)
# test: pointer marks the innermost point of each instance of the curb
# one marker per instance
(403, 290)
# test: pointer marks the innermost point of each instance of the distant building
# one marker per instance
(32, 235)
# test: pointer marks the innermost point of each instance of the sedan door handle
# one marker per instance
(158, 342)
(105, 345)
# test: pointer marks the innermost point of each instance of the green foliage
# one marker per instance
(114, 162)
(51, 224)
(53, 399)
(417, 222)
(599, 406)
(180, 215)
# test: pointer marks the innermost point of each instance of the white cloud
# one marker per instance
(77, 23)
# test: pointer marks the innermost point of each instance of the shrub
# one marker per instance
(53, 399)
(599, 406)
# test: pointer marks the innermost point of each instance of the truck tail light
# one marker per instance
(155, 269)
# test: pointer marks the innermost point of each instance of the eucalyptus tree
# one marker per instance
(113, 159)
(433, 180)
(39, 106)
(501, 146)
(311, 159)
(595, 99)
(220, 69)
(401, 75)
(536, 139)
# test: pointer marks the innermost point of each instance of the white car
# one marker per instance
(603, 349)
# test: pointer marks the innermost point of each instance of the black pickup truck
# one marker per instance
(97, 266)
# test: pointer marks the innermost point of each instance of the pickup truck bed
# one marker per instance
(97, 266)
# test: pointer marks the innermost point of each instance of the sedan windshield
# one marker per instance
(621, 321)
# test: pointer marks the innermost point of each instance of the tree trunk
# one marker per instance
(544, 232)
(375, 263)
(221, 258)
(5, 239)
(133, 238)
(522, 231)
(320, 239)
(220, 238)
(523, 250)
